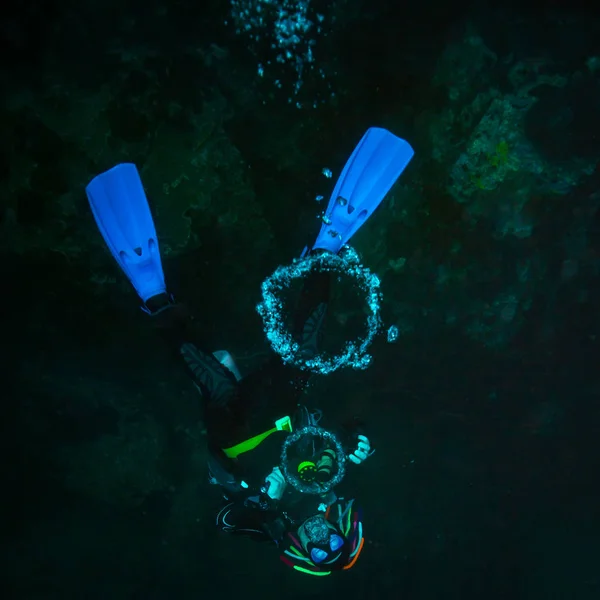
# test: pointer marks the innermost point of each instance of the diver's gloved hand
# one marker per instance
(362, 452)
(276, 484)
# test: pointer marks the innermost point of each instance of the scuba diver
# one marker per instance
(246, 420)
(276, 463)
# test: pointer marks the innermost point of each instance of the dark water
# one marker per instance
(485, 411)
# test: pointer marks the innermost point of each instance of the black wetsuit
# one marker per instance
(235, 411)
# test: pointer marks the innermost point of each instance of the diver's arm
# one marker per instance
(247, 516)
(256, 514)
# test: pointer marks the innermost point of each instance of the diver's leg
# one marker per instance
(311, 312)
(276, 388)
(216, 383)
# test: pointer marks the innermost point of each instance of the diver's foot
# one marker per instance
(171, 319)
(158, 304)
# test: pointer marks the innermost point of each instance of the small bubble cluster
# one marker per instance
(354, 353)
(283, 35)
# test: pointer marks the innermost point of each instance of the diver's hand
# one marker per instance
(276, 484)
(362, 452)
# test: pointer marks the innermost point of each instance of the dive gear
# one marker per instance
(295, 459)
(323, 543)
(122, 214)
(374, 166)
(307, 471)
(283, 424)
(320, 471)
(277, 528)
(347, 519)
(328, 552)
(326, 465)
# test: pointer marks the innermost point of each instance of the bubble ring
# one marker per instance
(354, 354)
(313, 487)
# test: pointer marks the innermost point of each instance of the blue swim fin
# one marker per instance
(121, 210)
(374, 166)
